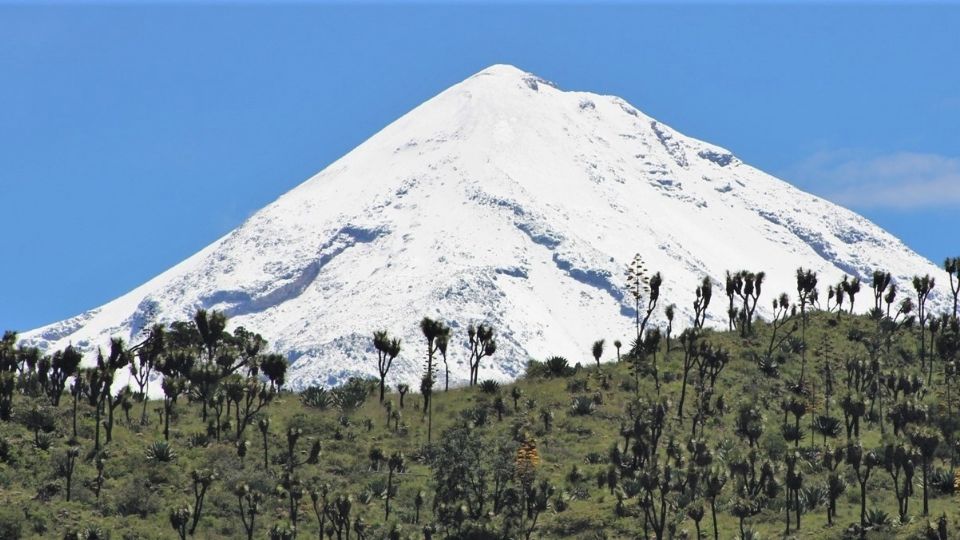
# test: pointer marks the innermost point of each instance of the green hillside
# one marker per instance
(566, 451)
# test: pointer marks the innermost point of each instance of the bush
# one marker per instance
(136, 498)
(10, 523)
(578, 385)
(353, 393)
(595, 458)
(477, 416)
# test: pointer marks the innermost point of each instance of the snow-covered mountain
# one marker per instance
(503, 200)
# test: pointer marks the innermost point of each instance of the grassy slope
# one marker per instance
(345, 466)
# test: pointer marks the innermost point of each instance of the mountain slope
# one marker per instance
(503, 199)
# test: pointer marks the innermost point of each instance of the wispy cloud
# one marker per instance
(901, 180)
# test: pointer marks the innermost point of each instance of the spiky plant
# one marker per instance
(160, 452)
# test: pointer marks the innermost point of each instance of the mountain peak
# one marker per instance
(502, 70)
(501, 200)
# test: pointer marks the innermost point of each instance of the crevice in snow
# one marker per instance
(669, 142)
(720, 158)
(244, 303)
(816, 242)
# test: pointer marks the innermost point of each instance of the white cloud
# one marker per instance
(902, 180)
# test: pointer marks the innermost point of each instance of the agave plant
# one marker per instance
(557, 366)
(582, 406)
(877, 518)
(792, 433)
(827, 426)
(161, 452)
(768, 366)
(813, 497)
(490, 386)
(317, 397)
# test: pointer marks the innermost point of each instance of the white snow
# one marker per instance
(502, 200)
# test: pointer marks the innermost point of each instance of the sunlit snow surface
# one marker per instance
(502, 200)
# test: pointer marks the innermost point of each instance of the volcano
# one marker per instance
(508, 201)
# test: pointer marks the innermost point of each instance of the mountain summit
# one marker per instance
(502, 200)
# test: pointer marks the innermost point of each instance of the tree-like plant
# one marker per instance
(143, 363)
(704, 293)
(851, 288)
(806, 294)
(39, 419)
(713, 483)
(172, 387)
(443, 340)
(431, 329)
(597, 351)
(63, 365)
(293, 435)
(402, 389)
(180, 520)
(688, 340)
(274, 367)
(900, 463)
(926, 440)
(387, 350)
(481, 343)
(249, 502)
(318, 496)
(952, 266)
(264, 425)
(923, 286)
(881, 280)
(862, 462)
(395, 465)
(67, 466)
(202, 478)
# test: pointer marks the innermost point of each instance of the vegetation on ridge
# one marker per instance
(815, 424)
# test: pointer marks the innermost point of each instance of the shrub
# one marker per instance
(595, 458)
(535, 369)
(10, 523)
(576, 476)
(353, 393)
(578, 385)
(477, 416)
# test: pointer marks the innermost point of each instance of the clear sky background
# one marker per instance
(133, 134)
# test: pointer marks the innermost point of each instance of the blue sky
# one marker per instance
(133, 134)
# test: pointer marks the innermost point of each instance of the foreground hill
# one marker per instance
(566, 451)
(502, 200)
